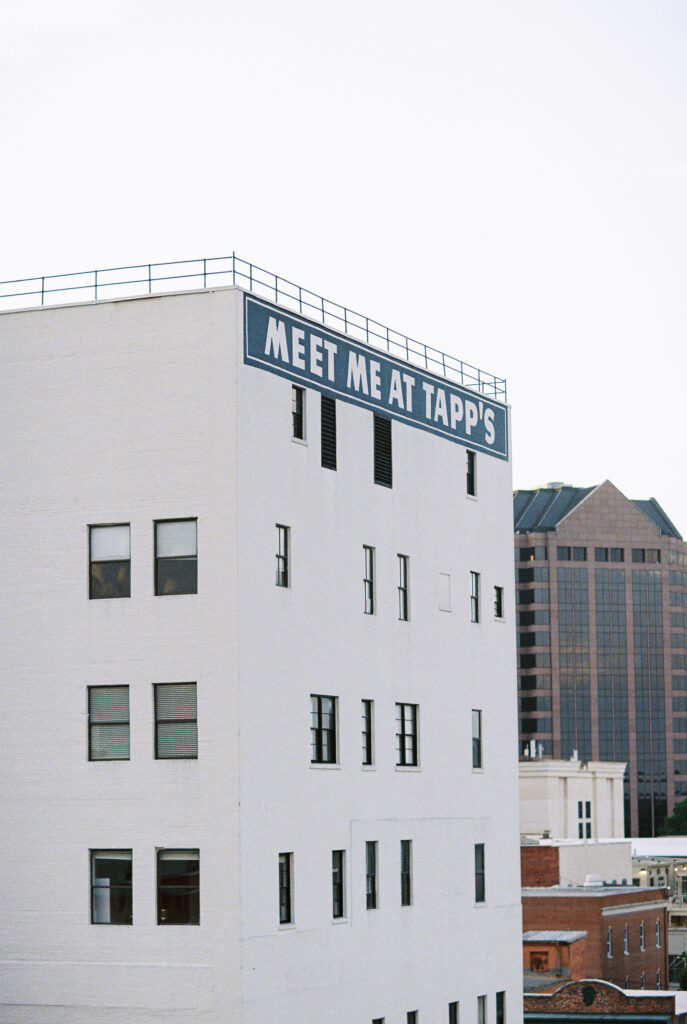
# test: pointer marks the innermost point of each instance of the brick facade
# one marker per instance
(539, 865)
(594, 998)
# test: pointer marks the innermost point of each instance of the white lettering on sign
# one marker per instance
(316, 355)
(276, 340)
(357, 373)
(297, 338)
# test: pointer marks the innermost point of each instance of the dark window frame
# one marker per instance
(368, 732)
(96, 564)
(406, 872)
(474, 596)
(125, 889)
(118, 723)
(328, 459)
(477, 750)
(323, 738)
(383, 451)
(338, 884)
(157, 691)
(189, 890)
(283, 555)
(286, 915)
(498, 602)
(403, 588)
(371, 887)
(297, 412)
(453, 1011)
(160, 560)
(480, 874)
(406, 735)
(471, 474)
(369, 579)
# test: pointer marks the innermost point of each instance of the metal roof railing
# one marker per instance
(157, 278)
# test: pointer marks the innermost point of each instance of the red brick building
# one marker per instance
(627, 937)
(597, 1002)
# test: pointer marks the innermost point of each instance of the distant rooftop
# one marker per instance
(543, 509)
(557, 936)
(577, 891)
(222, 271)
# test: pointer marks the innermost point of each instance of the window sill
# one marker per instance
(324, 765)
(340, 920)
(499, 618)
(478, 771)
(408, 768)
(369, 767)
(290, 927)
(300, 440)
(483, 903)
(472, 497)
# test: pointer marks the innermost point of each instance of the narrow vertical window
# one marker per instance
(642, 982)
(282, 555)
(368, 739)
(411, 1017)
(382, 449)
(642, 945)
(479, 873)
(498, 602)
(176, 720)
(609, 943)
(110, 561)
(500, 1008)
(111, 887)
(476, 738)
(406, 735)
(338, 894)
(108, 723)
(584, 819)
(178, 887)
(658, 934)
(474, 597)
(371, 875)
(285, 888)
(298, 412)
(406, 872)
(471, 481)
(369, 579)
(481, 1010)
(403, 603)
(328, 431)
(322, 729)
(626, 939)
(658, 979)
(453, 1012)
(176, 556)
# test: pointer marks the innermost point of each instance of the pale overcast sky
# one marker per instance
(502, 179)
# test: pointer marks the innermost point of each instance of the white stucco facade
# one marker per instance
(572, 799)
(142, 410)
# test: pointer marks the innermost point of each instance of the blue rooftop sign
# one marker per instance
(314, 356)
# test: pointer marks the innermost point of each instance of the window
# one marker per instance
(500, 1008)
(369, 579)
(406, 873)
(653, 555)
(282, 556)
(338, 893)
(476, 738)
(176, 557)
(471, 481)
(406, 734)
(658, 933)
(298, 412)
(658, 979)
(638, 555)
(563, 554)
(178, 887)
(285, 888)
(642, 945)
(368, 739)
(642, 983)
(110, 561)
(498, 602)
(371, 875)
(176, 720)
(322, 729)
(111, 887)
(479, 873)
(481, 1010)
(579, 554)
(626, 940)
(536, 554)
(377, 1020)
(328, 431)
(600, 554)
(609, 943)
(584, 819)
(411, 1017)
(474, 597)
(382, 451)
(453, 1012)
(403, 605)
(617, 555)
(108, 723)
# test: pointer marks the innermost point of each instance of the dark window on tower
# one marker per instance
(617, 555)
(178, 887)
(579, 554)
(328, 431)
(322, 729)
(338, 892)
(382, 447)
(403, 604)
(368, 749)
(476, 738)
(406, 872)
(282, 555)
(406, 734)
(498, 602)
(111, 887)
(479, 873)
(298, 412)
(601, 554)
(176, 556)
(471, 482)
(371, 875)
(285, 888)
(500, 1008)
(453, 1012)
(369, 579)
(474, 597)
(110, 561)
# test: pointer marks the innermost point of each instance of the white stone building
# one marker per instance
(572, 799)
(260, 733)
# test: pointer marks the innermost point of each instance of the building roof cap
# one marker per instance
(565, 937)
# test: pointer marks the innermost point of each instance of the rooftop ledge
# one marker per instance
(158, 278)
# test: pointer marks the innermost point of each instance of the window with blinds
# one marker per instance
(382, 447)
(328, 431)
(108, 723)
(176, 720)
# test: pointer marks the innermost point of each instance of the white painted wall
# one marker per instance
(551, 790)
(136, 410)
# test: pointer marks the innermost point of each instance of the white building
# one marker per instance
(271, 776)
(572, 799)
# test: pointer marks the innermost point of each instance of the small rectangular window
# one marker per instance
(617, 555)
(382, 451)
(498, 602)
(601, 554)
(609, 943)
(285, 888)
(108, 723)
(406, 873)
(658, 933)
(176, 720)
(403, 595)
(110, 561)
(471, 481)
(481, 1010)
(626, 939)
(476, 739)
(369, 579)
(500, 1008)
(111, 887)
(368, 738)
(658, 979)
(579, 554)
(642, 945)
(338, 892)
(474, 597)
(563, 554)
(282, 555)
(178, 887)
(638, 555)
(479, 873)
(298, 412)
(453, 1012)
(322, 729)
(176, 556)
(328, 431)
(406, 735)
(371, 875)
(411, 1017)
(653, 555)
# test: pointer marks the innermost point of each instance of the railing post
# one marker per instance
(276, 288)
(250, 277)
(233, 268)
(322, 304)
(346, 332)
(205, 284)
(42, 289)
(387, 345)
(95, 272)
(150, 281)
